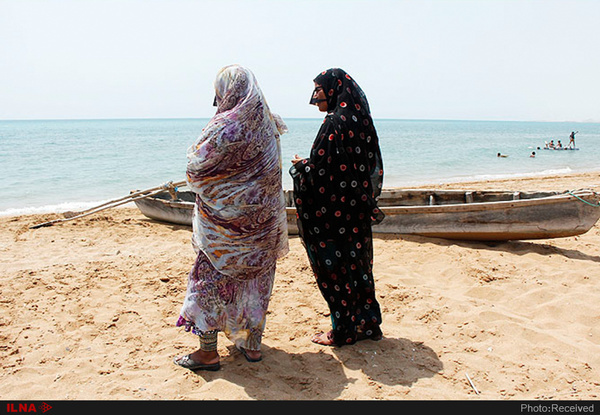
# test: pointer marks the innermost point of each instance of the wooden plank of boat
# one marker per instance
(450, 214)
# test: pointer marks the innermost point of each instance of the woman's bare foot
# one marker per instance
(325, 339)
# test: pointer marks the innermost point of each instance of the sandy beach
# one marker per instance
(88, 312)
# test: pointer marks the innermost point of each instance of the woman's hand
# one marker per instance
(296, 159)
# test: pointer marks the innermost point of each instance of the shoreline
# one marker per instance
(89, 309)
(570, 181)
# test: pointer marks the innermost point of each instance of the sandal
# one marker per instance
(247, 356)
(188, 363)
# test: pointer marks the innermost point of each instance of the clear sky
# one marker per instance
(415, 59)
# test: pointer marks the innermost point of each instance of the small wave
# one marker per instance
(551, 172)
(57, 208)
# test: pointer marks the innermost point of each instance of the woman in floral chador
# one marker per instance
(335, 192)
(239, 225)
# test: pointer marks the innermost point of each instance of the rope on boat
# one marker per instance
(583, 200)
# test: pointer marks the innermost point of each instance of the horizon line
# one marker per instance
(297, 118)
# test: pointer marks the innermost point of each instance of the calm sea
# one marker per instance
(59, 165)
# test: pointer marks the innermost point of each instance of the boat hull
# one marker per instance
(177, 212)
(561, 216)
(449, 214)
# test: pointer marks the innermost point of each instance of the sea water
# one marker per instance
(60, 165)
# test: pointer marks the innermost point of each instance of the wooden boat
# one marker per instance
(449, 214)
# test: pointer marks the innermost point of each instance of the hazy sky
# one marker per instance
(415, 59)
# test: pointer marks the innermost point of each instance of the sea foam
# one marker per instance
(57, 208)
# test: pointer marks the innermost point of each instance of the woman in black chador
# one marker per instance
(335, 193)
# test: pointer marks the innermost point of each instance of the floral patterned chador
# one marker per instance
(239, 225)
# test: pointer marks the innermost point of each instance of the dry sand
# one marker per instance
(88, 311)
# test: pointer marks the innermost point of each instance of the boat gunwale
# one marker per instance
(448, 207)
(492, 205)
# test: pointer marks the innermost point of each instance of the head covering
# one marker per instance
(342, 92)
(235, 170)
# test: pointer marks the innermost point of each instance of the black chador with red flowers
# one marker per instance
(335, 193)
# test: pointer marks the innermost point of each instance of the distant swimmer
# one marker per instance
(572, 139)
(559, 144)
(532, 154)
(551, 145)
(502, 155)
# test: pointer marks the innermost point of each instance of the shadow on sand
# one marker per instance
(513, 247)
(321, 375)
